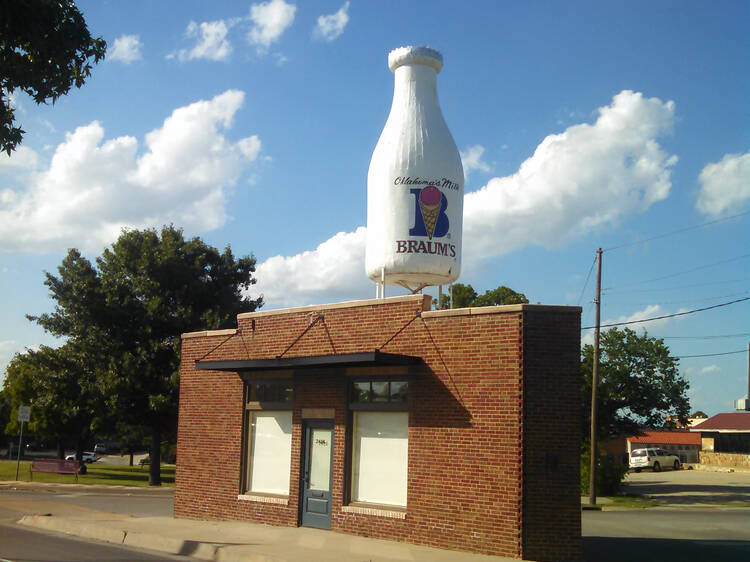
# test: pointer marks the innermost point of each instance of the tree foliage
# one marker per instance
(145, 291)
(45, 49)
(465, 296)
(639, 384)
(62, 388)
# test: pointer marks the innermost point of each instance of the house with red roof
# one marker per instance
(725, 433)
(685, 444)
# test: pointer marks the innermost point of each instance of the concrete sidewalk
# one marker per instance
(240, 541)
(228, 540)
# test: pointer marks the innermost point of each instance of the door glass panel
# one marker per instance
(320, 459)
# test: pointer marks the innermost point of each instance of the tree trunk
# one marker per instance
(131, 457)
(60, 449)
(154, 471)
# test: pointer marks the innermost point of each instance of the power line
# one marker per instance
(707, 299)
(668, 315)
(711, 354)
(587, 280)
(718, 337)
(675, 232)
(685, 271)
(741, 280)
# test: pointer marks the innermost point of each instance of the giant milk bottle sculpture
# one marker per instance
(415, 185)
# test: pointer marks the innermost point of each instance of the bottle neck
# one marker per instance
(415, 83)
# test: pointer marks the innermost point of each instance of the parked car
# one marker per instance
(107, 447)
(655, 459)
(87, 457)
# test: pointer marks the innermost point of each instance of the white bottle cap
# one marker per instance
(415, 55)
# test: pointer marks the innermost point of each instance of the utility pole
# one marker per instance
(595, 380)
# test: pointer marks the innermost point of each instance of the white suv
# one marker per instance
(655, 459)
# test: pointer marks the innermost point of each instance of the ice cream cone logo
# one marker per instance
(430, 200)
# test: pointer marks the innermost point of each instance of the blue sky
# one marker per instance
(581, 125)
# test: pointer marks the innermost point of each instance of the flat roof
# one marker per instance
(366, 359)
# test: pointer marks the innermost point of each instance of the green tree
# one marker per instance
(145, 291)
(45, 49)
(465, 296)
(4, 418)
(501, 295)
(62, 387)
(639, 384)
(699, 414)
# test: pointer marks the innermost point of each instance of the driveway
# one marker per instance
(704, 516)
(684, 487)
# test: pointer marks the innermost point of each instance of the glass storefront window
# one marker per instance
(269, 451)
(380, 391)
(380, 457)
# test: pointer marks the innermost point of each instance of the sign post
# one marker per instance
(24, 415)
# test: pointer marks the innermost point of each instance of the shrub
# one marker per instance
(609, 475)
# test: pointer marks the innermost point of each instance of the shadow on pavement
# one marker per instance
(623, 549)
(678, 493)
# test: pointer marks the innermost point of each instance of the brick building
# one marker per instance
(456, 429)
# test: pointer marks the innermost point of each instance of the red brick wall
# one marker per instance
(480, 413)
(551, 435)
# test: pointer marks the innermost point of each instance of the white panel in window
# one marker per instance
(380, 457)
(270, 452)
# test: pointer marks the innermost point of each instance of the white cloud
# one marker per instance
(270, 20)
(8, 348)
(127, 49)
(332, 26)
(334, 271)
(471, 158)
(725, 185)
(710, 369)
(22, 159)
(650, 311)
(211, 41)
(588, 177)
(94, 187)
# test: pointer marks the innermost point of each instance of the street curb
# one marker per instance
(135, 539)
(240, 554)
(75, 527)
(62, 486)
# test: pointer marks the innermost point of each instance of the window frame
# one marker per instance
(268, 404)
(389, 406)
(249, 408)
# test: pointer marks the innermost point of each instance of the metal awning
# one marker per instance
(366, 359)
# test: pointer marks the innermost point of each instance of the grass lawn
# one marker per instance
(635, 502)
(97, 474)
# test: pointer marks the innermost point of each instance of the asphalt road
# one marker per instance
(699, 523)
(666, 534)
(62, 501)
(21, 544)
(710, 531)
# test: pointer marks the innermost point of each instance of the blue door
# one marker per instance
(316, 474)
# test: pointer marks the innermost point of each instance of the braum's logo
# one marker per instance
(429, 213)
